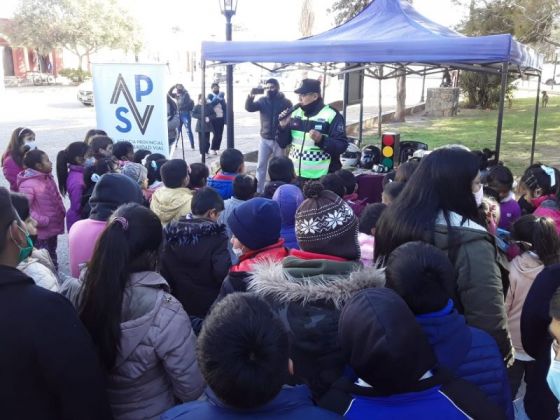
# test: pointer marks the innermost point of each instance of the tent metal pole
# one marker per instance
(324, 80)
(345, 97)
(379, 108)
(505, 67)
(423, 85)
(202, 133)
(361, 127)
(535, 122)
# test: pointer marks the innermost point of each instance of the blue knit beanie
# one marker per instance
(256, 223)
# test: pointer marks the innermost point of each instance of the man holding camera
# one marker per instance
(316, 131)
(269, 106)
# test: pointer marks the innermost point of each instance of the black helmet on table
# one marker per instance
(371, 155)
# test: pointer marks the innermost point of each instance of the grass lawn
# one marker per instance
(476, 129)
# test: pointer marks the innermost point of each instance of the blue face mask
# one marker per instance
(553, 376)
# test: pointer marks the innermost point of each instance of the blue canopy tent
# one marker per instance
(392, 33)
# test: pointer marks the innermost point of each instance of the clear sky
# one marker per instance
(259, 19)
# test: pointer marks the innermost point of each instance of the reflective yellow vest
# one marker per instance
(310, 161)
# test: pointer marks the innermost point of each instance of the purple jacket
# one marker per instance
(510, 211)
(11, 170)
(75, 187)
(45, 202)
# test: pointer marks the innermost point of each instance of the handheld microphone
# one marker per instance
(288, 111)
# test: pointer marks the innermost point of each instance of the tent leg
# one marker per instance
(324, 81)
(379, 107)
(361, 127)
(535, 121)
(423, 85)
(505, 67)
(345, 97)
(202, 113)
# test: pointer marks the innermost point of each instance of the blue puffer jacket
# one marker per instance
(223, 183)
(469, 353)
(291, 403)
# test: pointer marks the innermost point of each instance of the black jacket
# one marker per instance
(208, 113)
(540, 402)
(269, 109)
(195, 261)
(48, 365)
(334, 142)
(184, 102)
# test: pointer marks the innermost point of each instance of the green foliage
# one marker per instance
(76, 75)
(530, 21)
(345, 10)
(81, 26)
(476, 129)
(483, 89)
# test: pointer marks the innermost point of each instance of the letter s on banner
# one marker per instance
(127, 125)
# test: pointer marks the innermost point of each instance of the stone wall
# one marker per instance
(442, 102)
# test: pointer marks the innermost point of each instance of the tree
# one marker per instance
(530, 21)
(344, 10)
(306, 19)
(81, 26)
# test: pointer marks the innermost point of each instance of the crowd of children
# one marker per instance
(197, 297)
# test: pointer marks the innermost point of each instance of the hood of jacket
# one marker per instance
(383, 343)
(528, 264)
(289, 398)
(167, 202)
(299, 280)
(448, 334)
(464, 232)
(28, 174)
(289, 197)
(188, 232)
(141, 302)
(110, 192)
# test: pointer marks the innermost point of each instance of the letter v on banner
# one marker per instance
(131, 104)
(141, 121)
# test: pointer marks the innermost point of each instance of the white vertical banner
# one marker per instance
(131, 104)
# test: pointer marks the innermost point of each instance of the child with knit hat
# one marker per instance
(255, 226)
(311, 285)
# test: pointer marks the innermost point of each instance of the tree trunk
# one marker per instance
(80, 61)
(401, 96)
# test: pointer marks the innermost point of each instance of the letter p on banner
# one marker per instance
(131, 104)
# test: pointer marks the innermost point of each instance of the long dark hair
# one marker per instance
(538, 234)
(67, 157)
(92, 133)
(101, 167)
(14, 148)
(154, 162)
(97, 143)
(443, 181)
(129, 244)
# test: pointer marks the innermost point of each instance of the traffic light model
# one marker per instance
(390, 143)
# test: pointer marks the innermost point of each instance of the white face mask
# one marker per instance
(478, 196)
(238, 252)
(553, 376)
(89, 161)
(31, 144)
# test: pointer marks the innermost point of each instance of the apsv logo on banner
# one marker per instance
(120, 113)
(131, 104)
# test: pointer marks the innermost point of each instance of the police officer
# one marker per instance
(316, 132)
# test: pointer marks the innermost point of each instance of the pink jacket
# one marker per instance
(11, 170)
(82, 238)
(523, 270)
(45, 202)
(367, 243)
(156, 363)
(548, 206)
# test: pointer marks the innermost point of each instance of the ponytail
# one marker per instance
(68, 156)
(104, 284)
(546, 242)
(129, 244)
(62, 170)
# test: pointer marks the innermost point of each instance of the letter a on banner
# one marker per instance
(131, 104)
